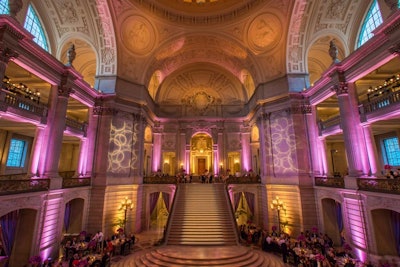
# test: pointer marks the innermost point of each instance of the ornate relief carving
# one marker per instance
(264, 33)
(336, 9)
(68, 13)
(138, 35)
(169, 142)
(182, 17)
(199, 101)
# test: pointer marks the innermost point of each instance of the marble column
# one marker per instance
(157, 137)
(263, 157)
(56, 124)
(246, 154)
(372, 151)
(90, 142)
(351, 126)
(36, 154)
(313, 134)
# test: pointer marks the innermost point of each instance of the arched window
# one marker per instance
(33, 25)
(371, 22)
(4, 7)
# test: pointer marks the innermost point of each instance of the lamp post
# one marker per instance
(125, 205)
(278, 205)
(333, 151)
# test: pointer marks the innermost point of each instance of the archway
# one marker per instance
(73, 216)
(244, 207)
(159, 210)
(17, 228)
(386, 224)
(333, 220)
(201, 154)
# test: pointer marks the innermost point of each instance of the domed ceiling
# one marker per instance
(242, 42)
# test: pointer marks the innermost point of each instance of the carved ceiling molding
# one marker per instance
(200, 89)
(192, 15)
(210, 49)
(264, 33)
(89, 21)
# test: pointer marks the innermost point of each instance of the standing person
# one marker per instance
(98, 238)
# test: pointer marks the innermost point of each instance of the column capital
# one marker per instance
(395, 49)
(341, 88)
(6, 54)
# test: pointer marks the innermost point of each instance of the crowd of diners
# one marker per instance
(89, 250)
(310, 249)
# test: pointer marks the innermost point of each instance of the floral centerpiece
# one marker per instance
(387, 167)
(35, 261)
(319, 257)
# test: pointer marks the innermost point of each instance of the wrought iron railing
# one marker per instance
(76, 125)
(337, 182)
(391, 186)
(8, 187)
(160, 180)
(247, 179)
(76, 182)
(326, 124)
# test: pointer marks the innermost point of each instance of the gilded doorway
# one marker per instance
(201, 166)
(201, 154)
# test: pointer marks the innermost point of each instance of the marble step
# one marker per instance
(168, 258)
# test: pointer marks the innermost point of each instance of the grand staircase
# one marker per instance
(202, 216)
(201, 233)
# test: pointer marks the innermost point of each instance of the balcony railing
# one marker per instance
(160, 180)
(329, 123)
(75, 125)
(10, 99)
(247, 179)
(76, 182)
(383, 101)
(337, 182)
(8, 187)
(391, 186)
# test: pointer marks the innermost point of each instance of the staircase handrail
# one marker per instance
(170, 216)
(227, 199)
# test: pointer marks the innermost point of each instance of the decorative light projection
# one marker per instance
(283, 143)
(122, 157)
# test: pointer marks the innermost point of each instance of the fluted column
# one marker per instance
(246, 154)
(82, 162)
(312, 129)
(182, 150)
(138, 174)
(350, 123)
(263, 155)
(322, 155)
(372, 151)
(36, 151)
(221, 150)
(157, 149)
(90, 143)
(56, 124)
(104, 116)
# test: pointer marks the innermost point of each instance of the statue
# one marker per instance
(71, 54)
(333, 51)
